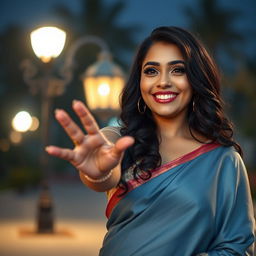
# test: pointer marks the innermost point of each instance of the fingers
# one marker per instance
(92, 142)
(73, 131)
(66, 154)
(86, 118)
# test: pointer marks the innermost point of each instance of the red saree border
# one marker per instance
(132, 184)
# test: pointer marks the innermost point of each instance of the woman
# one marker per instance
(173, 173)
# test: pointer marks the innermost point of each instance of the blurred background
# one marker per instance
(227, 27)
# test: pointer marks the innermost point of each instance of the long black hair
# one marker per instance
(205, 112)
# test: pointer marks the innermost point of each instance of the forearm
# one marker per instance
(106, 185)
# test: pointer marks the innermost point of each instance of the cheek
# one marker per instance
(145, 84)
(181, 82)
(185, 87)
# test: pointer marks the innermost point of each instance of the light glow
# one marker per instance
(22, 121)
(15, 137)
(103, 89)
(103, 92)
(35, 124)
(48, 42)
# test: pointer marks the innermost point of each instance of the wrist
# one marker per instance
(101, 179)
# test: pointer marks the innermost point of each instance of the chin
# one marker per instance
(170, 114)
(166, 115)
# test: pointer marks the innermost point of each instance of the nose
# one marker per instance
(165, 80)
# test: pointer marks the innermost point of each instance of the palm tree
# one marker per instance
(214, 25)
(98, 19)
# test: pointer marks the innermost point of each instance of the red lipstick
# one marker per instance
(165, 97)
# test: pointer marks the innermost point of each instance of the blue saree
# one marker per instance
(198, 204)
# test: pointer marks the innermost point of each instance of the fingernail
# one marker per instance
(75, 101)
(57, 110)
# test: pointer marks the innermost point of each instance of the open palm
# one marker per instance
(93, 153)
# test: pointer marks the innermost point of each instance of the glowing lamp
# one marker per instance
(47, 42)
(103, 83)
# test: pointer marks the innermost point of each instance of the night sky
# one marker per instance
(147, 13)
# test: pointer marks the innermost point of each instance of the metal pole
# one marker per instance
(45, 217)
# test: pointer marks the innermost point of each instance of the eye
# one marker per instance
(178, 70)
(150, 71)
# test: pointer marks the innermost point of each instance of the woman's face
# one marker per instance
(164, 84)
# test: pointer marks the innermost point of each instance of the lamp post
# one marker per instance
(103, 82)
(47, 43)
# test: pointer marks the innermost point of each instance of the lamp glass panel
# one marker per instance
(103, 92)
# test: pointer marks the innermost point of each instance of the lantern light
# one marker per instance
(103, 83)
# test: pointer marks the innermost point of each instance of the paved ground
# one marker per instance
(78, 211)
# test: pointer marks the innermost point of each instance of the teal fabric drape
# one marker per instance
(202, 205)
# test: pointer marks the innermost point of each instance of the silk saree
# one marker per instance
(198, 204)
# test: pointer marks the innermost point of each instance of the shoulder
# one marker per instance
(229, 154)
(112, 133)
(230, 165)
(224, 162)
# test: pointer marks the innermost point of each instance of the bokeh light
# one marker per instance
(22, 121)
(35, 124)
(15, 137)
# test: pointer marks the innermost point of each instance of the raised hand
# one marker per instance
(93, 154)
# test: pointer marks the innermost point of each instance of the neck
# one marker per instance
(173, 127)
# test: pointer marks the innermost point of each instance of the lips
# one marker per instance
(165, 97)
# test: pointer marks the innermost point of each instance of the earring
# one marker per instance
(138, 105)
(193, 106)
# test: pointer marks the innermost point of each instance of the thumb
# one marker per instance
(121, 145)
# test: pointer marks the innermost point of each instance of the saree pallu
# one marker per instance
(199, 204)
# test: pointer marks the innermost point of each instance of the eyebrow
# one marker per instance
(153, 63)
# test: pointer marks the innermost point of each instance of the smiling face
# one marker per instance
(164, 85)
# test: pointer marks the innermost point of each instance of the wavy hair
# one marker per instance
(205, 112)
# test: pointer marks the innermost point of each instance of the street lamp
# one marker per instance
(103, 82)
(48, 42)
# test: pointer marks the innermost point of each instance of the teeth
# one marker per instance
(165, 96)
